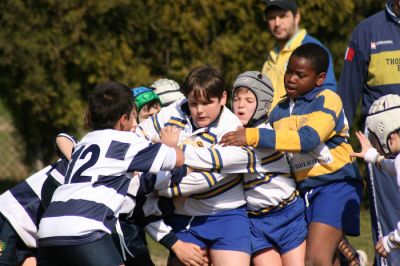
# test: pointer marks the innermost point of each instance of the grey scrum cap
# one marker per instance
(261, 86)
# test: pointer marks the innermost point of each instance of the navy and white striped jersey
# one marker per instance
(146, 210)
(24, 204)
(87, 206)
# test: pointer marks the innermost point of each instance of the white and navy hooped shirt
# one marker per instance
(24, 204)
(87, 206)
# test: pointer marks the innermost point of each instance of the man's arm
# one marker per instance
(354, 74)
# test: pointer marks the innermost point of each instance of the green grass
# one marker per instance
(159, 254)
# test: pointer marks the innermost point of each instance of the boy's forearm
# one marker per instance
(180, 158)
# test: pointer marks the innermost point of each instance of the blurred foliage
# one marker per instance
(54, 52)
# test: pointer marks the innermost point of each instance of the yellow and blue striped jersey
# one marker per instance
(314, 130)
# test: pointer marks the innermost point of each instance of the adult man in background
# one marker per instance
(283, 18)
(372, 69)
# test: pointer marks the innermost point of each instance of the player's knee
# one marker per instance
(317, 259)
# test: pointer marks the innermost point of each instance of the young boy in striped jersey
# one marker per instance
(216, 219)
(147, 102)
(141, 210)
(310, 124)
(276, 214)
(383, 127)
(76, 227)
(21, 208)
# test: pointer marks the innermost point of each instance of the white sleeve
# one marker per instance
(157, 230)
(235, 160)
(151, 158)
(228, 159)
(392, 240)
(169, 161)
(193, 183)
(397, 166)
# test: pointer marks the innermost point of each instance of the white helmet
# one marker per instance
(167, 90)
(383, 119)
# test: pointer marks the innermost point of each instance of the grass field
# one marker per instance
(159, 254)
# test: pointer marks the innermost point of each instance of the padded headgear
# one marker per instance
(168, 90)
(261, 86)
(383, 119)
(143, 96)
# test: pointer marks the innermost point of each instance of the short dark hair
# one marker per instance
(152, 104)
(107, 103)
(315, 54)
(206, 82)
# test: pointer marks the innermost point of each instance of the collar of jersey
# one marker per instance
(390, 12)
(294, 42)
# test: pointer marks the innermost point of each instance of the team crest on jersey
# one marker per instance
(2, 247)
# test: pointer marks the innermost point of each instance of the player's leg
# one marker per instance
(269, 256)
(333, 210)
(295, 257)
(292, 242)
(262, 249)
(30, 261)
(229, 257)
(322, 242)
(226, 234)
(278, 237)
(230, 237)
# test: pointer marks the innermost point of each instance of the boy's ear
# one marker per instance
(320, 79)
(121, 122)
(224, 98)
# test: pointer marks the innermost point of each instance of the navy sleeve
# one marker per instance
(354, 73)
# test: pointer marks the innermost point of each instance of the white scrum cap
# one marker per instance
(384, 118)
(167, 90)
